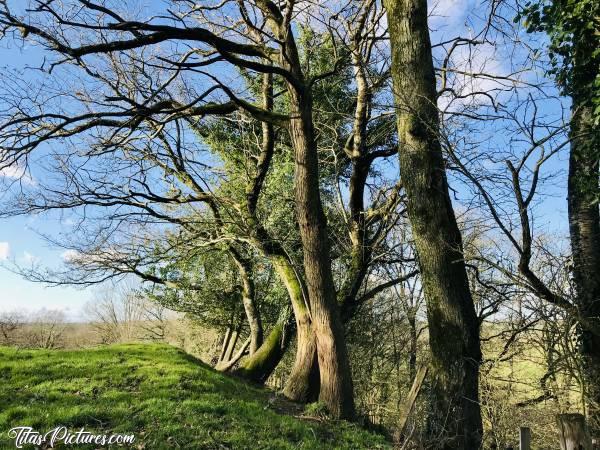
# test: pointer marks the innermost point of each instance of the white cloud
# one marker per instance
(70, 256)
(15, 172)
(4, 251)
(476, 70)
(453, 10)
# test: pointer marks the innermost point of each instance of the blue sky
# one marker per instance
(21, 243)
(20, 240)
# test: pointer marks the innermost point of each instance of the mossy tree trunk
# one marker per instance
(260, 365)
(335, 389)
(584, 225)
(455, 416)
(302, 384)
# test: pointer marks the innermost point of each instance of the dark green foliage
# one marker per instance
(573, 27)
(209, 288)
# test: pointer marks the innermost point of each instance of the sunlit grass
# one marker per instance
(163, 396)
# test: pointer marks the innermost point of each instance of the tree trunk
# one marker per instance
(584, 225)
(455, 417)
(413, 345)
(225, 345)
(573, 432)
(335, 390)
(360, 252)
(303, 381)
(227, 365)
(260, 365)
(254, 322)
(409, 403)
(248, 300)
(233, 339)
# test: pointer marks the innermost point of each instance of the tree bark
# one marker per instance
(573, 432)
(249, 300)
(302, 384)
(455, 417)
(335, 390)
(584, 225)
(259, 366)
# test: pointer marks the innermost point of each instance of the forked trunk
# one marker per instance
(455, 417)
(232, 343)
(302, 384)
(335, 389)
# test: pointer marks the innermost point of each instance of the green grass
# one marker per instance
(163, 396)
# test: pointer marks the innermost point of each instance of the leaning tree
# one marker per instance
(194, 46)
(127, 99)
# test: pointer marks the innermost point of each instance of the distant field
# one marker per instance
(162, 395)
(178, 332)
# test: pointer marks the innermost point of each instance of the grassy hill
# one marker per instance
(165, 397)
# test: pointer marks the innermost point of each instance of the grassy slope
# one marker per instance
(166, 398)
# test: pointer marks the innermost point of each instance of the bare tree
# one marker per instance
(116, 314)
(123, 313)
(155, 320)
(11, 324)
(45, 329)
